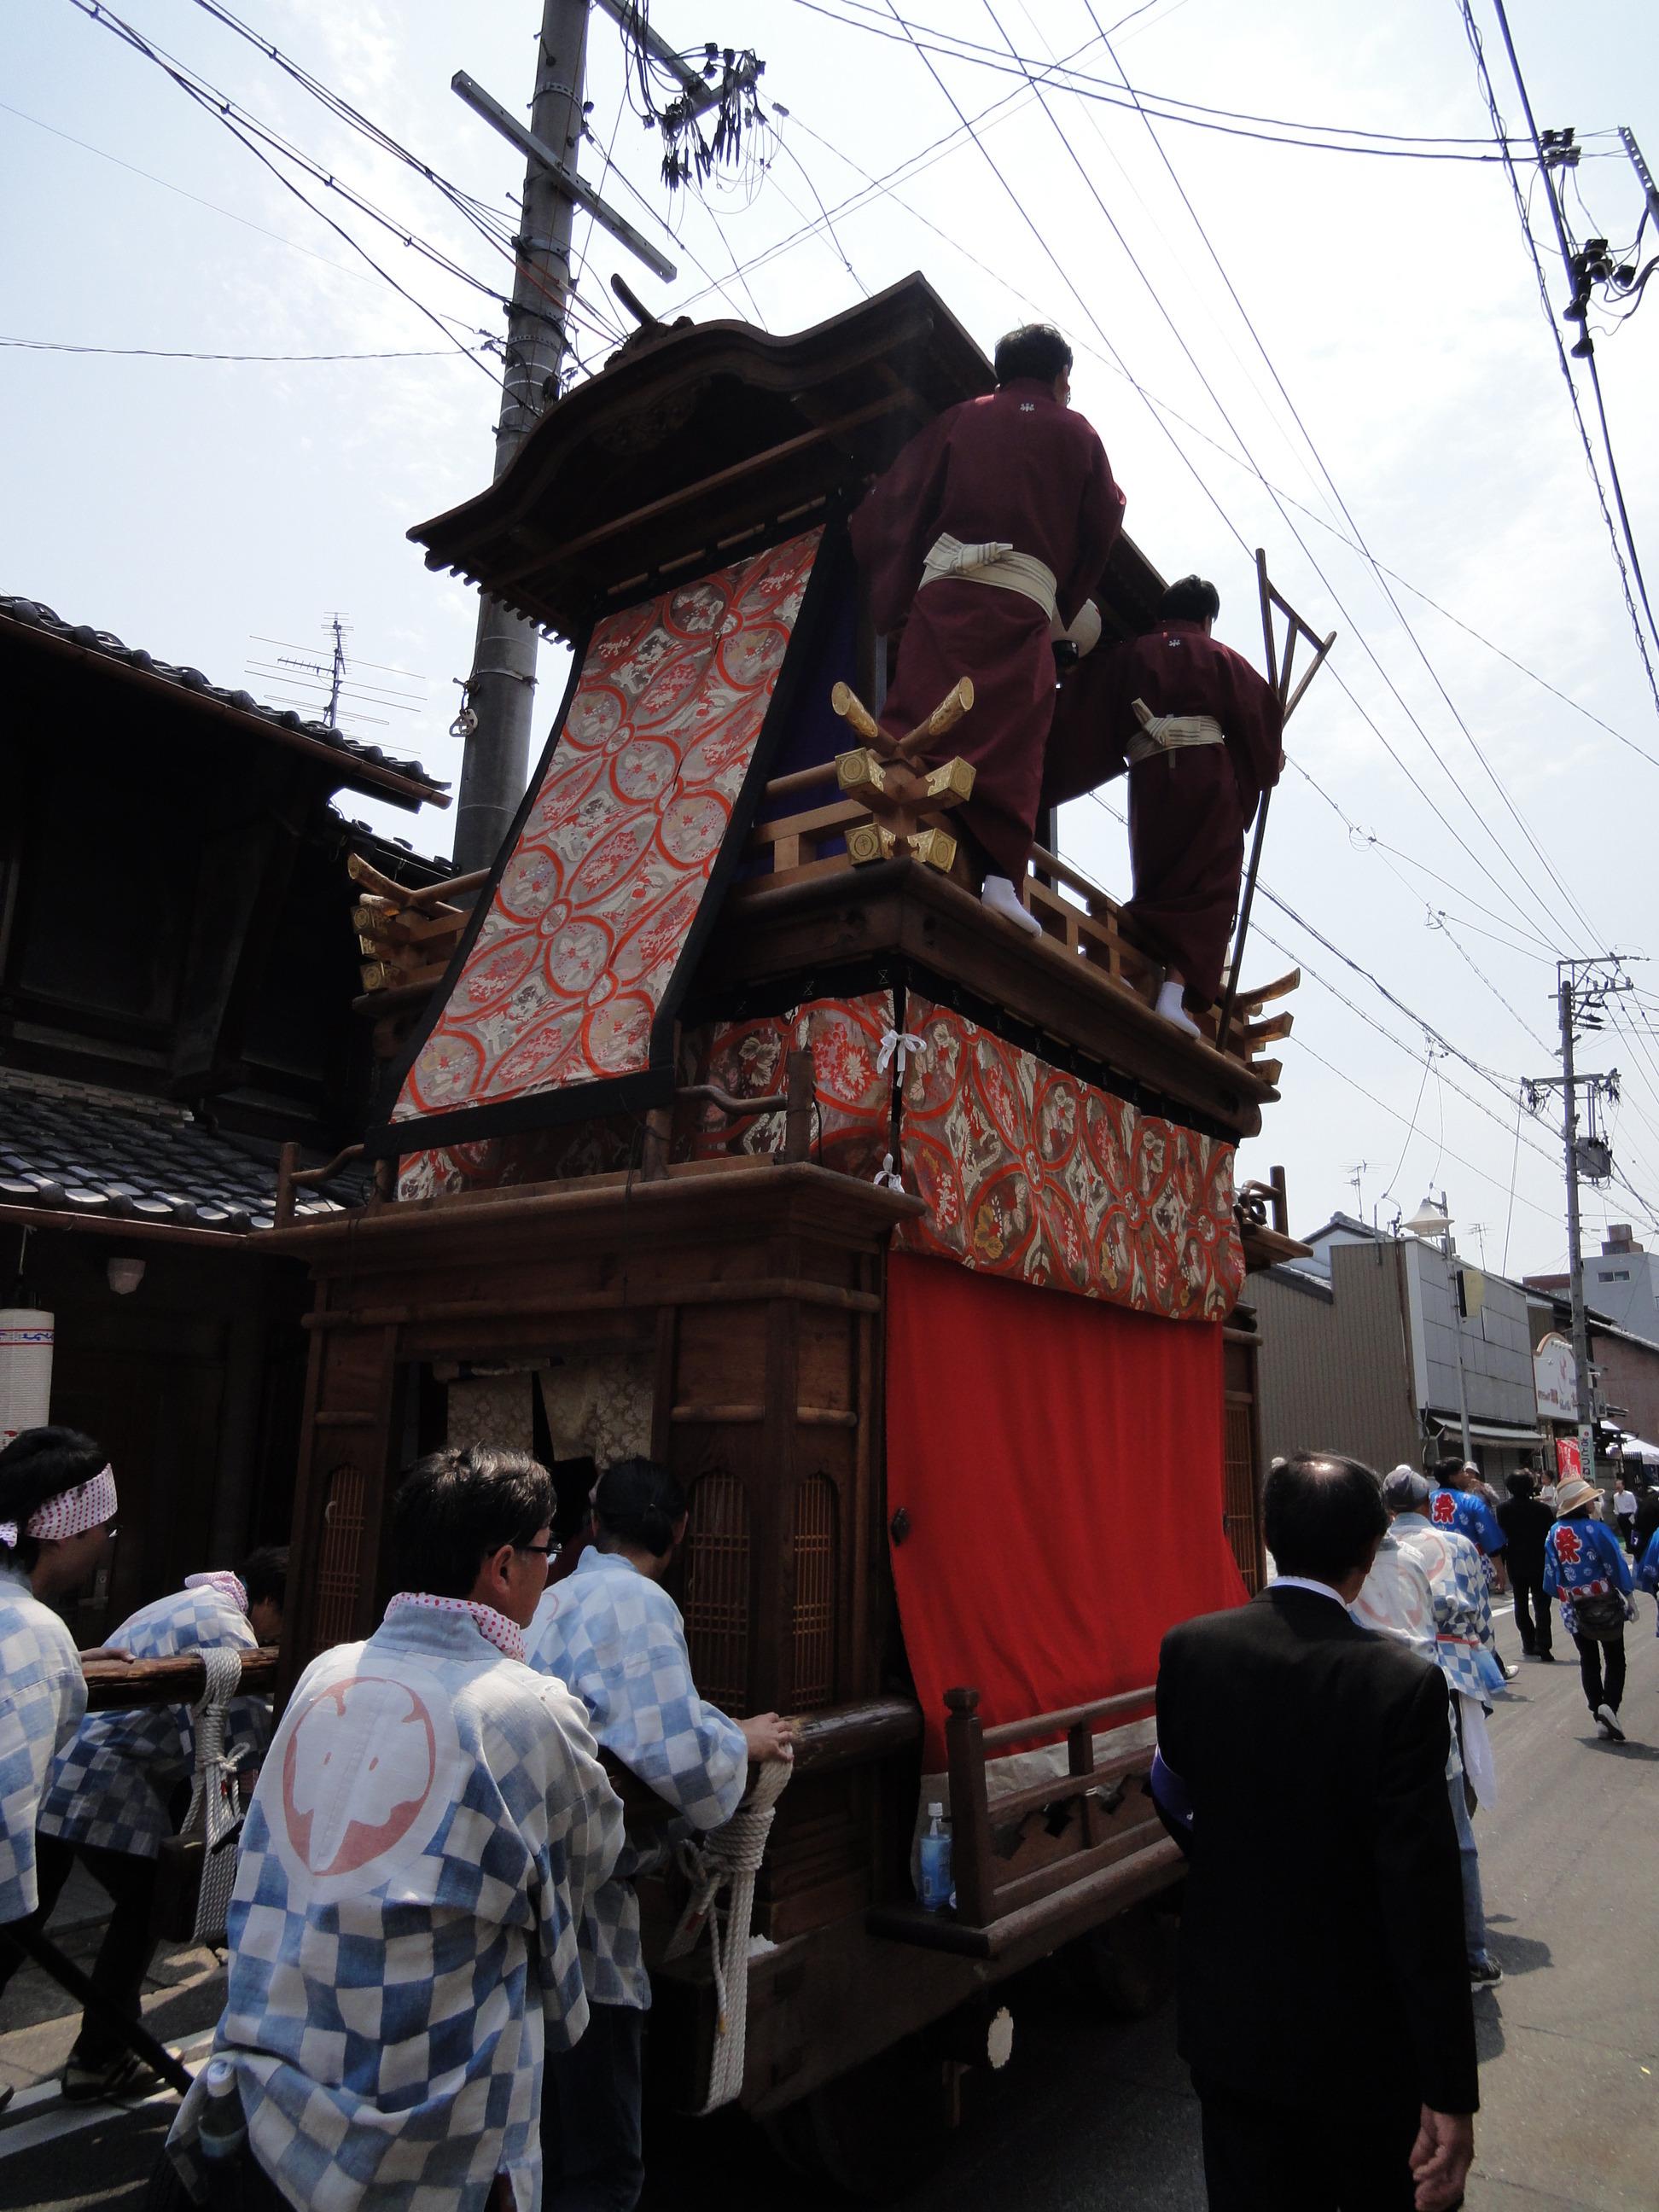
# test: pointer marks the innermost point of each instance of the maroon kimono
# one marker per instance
(1190, 808)
(1015, 468)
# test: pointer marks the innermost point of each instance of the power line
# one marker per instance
(1312, 137)
(156, 353)
(1473, 31)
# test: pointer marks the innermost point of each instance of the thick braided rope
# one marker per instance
(729, 1854)
(214, 1786)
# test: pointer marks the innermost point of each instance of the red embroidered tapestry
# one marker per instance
(592, 909)
(1060, 1463)
(852, 1128)
(1030, 1173)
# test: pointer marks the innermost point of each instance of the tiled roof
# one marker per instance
(36, 615)
(77, 1148)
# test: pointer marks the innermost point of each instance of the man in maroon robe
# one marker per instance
(1199, 733)
(989, 532)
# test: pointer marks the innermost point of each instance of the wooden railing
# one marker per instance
(1034, 1865)
(116, 1684)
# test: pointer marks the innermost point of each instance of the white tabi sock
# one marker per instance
(997, 893)
(1170, 1005)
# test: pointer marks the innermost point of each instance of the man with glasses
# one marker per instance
(429, 1828)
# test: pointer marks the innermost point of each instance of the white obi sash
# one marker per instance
(1163, 733)
(993, 562)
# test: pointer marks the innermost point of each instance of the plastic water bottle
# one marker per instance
(935, 1889)
(222, 2128)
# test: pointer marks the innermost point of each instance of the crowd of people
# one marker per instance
(434, 1980)
(1281, 1722)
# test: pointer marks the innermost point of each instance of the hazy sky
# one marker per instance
(201, 508)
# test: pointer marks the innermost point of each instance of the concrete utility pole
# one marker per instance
(1457, 1339)
(1574, 1256)
(501, 689)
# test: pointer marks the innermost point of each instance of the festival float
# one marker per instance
(725, 1124)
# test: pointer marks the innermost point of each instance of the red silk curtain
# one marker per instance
(1060, 1460)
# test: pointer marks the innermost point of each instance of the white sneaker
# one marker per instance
(997, 894)
(1170, 1005)
(1607, 1720)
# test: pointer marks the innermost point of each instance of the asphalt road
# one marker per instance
(1091, 2114)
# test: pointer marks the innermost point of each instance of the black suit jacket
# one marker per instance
(1322, 1939)
(1526, 1522)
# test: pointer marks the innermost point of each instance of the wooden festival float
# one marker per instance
(736, 1130)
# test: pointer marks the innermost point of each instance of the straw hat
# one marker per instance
(1571, 1495)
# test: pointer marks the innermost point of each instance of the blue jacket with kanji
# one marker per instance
(1470, 1515)
(1582, 1558)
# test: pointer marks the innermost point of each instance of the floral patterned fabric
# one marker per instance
(853, 1128)
(592, 909)
(1032, 1174)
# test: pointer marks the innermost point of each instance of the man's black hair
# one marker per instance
(1189, 598)
(1522, 1483)
(264, 1574)
(1320, 1515)
(640, 1501)
(456, 1507)
(36, 1466)
(1034, 349)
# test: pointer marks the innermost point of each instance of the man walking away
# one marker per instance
(1526, 1520)
(1647, 1515)
(1585, 1567)
(1324, 2004)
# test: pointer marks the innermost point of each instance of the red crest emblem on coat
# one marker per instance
(357, 1773)
(1443, 1509)
(1567, 1547)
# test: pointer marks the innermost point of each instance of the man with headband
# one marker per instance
(109, 1797)
(57, 1501)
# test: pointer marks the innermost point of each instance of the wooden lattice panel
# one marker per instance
(816, 1553)
(339, 1565)
(717, 1591)
(1239, 1512)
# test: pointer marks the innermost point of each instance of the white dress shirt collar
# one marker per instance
(1302, 1582)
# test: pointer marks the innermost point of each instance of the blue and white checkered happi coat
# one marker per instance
(42, 1698)
(616, 1637)
(110, 1787)
(430, 1825)
(1465, 1647)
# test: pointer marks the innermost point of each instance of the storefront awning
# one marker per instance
(1513, 1433)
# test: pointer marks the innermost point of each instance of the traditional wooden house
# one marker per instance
(175, 979)
(737, 1131)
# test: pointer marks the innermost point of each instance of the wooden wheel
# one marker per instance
(875, 2133)
(1128, 1964)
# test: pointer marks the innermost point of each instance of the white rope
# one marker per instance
(730, 1853)
(214, 1796)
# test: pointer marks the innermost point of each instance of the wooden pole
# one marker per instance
(1280, 682)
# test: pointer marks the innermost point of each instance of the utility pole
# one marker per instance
(501, 691)
(1574, 1256)
(1579, 1006)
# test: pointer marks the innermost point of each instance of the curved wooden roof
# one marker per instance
(702, 439)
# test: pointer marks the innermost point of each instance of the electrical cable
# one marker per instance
(1473, 32)
(1231, 123)
(156, 353)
